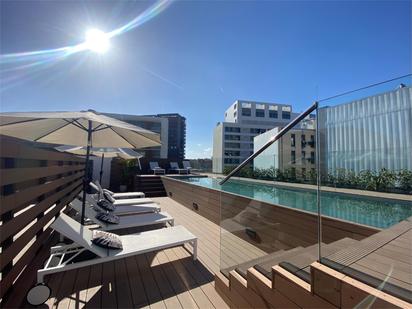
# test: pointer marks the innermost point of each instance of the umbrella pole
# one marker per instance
(85, 179)
(101, 169)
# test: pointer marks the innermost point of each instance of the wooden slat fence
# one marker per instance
(36, 184)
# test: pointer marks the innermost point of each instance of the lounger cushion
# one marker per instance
(108, 218)
(106, 240)
(108, 191)
(106, 205)
(108, 197)
(94, 188)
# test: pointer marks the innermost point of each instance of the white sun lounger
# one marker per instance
(175, 167)
(129, 201)
(154, 166)
(124, 221)
(123, 195)
(127, 209)
(62, 257)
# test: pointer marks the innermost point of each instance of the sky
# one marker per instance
(197, 57)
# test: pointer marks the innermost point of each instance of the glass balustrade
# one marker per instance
(335, 189)
(366, 182)
(269, 207)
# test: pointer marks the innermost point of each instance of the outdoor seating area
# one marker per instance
(168, 278)
(173, 168)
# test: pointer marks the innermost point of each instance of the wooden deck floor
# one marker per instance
(166, 279)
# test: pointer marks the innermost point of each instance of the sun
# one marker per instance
(97, 41)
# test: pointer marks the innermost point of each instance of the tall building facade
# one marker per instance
(368, 134)
(176, 136)
(172, 130)
(233, 139)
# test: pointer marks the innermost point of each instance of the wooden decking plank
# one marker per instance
(151, 288)
(123, 293)
(176, 282)
(168, 295)
(66, 289)
(205, 282)
(200, 298)
(54, 283)
(381, 276)
(94, 291)
(108, 286)
(79, 295)
(136, 285)
(235, 252)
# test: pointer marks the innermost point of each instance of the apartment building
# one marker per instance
(233, 139)
(294, 153)
(172, 130)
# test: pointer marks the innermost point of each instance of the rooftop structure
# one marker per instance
(233, 138)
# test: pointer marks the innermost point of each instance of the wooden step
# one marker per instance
(299, 264)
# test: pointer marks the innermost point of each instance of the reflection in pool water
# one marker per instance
(359, 209)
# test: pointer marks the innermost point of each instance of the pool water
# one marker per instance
(374, 212)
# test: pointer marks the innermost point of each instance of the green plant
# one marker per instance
(384, 180)
(127, 171)
(404, 178)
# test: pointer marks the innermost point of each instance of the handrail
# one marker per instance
(282, 132)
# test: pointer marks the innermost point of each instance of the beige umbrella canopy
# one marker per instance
(82, 128)
(72, 128)
(108, 152)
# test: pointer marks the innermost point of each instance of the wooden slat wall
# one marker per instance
(36, 184)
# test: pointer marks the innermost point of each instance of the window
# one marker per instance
(260, 113)
(246, 111)
(312, 157)
(232, 153)
(232, 145)
(303, 140)
(232, 137)
(303, 157)
(273, 114)
(257, 131)
(292, 157)
(260, 110)
(285, 115)
(292, 140)
(312, 141)
(231, 161)
(234, 115)
(232, 129)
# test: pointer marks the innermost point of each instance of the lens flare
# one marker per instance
(20, 66)
(97, 41)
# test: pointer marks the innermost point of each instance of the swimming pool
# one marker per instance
(374, 212)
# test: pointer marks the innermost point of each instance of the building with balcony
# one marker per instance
(233, 139)
(294, 153)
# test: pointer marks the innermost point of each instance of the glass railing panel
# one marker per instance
(269, 208)
(366, 185)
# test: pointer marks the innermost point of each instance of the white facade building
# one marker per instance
(368, 134)
(233, 138)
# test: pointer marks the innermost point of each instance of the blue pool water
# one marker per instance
(374, 212)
